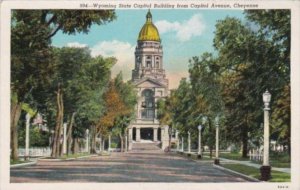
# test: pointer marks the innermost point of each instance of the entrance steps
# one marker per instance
(146, 145)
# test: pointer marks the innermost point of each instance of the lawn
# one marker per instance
(74, 155)
(276, 163)
(279, 160)
(18, 162)
(255, 172)
(230, 155)
(70, 156)
(233, 156)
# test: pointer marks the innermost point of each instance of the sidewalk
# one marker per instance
(249, 163)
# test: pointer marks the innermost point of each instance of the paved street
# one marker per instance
(141, 166)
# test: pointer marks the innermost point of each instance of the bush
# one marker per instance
(113, 145)
(37, 138)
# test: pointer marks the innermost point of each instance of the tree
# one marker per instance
(252, 59)
(114, 108)
(82, 80)
(206, 95)
(68, 64)
(31, 56)
(129, 98)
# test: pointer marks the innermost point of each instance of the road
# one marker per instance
(141, 166)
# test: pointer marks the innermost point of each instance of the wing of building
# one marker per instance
(151, 84)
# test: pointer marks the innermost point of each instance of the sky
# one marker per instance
(184, 34)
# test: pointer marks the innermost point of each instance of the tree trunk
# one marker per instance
(59, 118)
(103, 144)
(100, 143)
(15, 113)
(69, 134)
(93, 140)
(245, 142)
(75, 146)
(210, 151)
(60, 151)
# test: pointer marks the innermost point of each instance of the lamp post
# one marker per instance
(199, 142)
(200, 127)
(265, 169)
(87, 148)
(182, 144)
(28, 117)
(189, 142)
(217, 161)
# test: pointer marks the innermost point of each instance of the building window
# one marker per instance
(148, 64)
(157, 64)
(148, 104)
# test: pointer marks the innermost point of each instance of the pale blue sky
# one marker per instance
(184, 34)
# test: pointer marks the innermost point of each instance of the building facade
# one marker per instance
(151, 84)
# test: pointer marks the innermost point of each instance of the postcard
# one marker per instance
(150, 94)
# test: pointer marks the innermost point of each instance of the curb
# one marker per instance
(68, 159)
(23, 164)
(237, 173)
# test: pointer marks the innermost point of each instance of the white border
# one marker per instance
(6, 6)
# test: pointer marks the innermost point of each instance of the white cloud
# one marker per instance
(185, 29)
(123, 51)
(76, 44)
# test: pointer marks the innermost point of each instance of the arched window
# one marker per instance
(148, 104)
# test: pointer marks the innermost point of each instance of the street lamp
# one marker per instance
(26, 156)
(265, 169)
(189, 143)
(199, 141)
(217, 161)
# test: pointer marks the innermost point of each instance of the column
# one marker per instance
(182, 144)
(27, 136)
(65, 139)
(138, 134)
(189, 142)
(103, 144)
(109, 142)
(130, 134)
(87, 139)
(155, 134)
(129, 138)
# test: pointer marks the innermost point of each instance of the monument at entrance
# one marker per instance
(151, 84)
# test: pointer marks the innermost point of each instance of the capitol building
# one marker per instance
(149, 79)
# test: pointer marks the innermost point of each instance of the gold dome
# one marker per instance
(149, 31)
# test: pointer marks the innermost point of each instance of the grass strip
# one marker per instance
(12, 162)
(255, 172)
